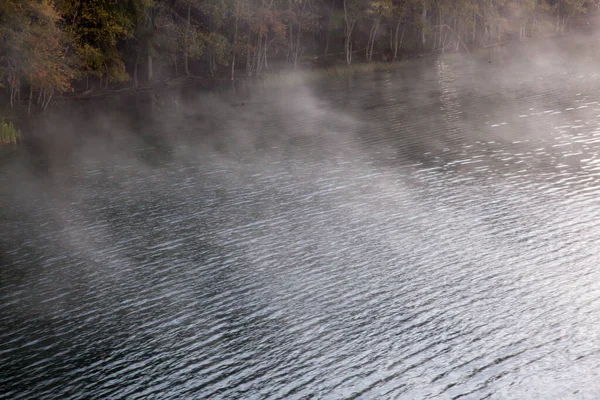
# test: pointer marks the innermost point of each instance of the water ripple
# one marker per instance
(428, 237)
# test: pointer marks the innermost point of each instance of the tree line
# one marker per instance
(55, 46)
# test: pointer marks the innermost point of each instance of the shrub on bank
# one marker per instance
(8, 133)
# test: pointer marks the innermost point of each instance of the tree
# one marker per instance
(237, 11)
(34, 49)
(155, 36)
(144, 15)
(265, 27)
(97, 27)
(396, 16)
(46, 45)
(217, 44)
(376, 10)
(191, 40)
(352, 11)
(565, 10)
(329, 27)
(300, 18)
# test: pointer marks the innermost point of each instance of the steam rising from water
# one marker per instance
(428, 232)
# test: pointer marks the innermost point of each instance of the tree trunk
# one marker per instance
(438, 41)
(248, 59)
(135, 71)
(265, 49)
(485, 34)
(399, 45)
(371, 42)
(347, 42)
(298, 35)
(349, 27)
(186, 41)
(395, 50)
(30, 97)
(348, 45)
(235, 33)
(257, 59)
(474, 27)
(423, 23)
(290, 48)
(520, 33)
(47, 102)
(328, 31)
(150, 68)
(457, 31)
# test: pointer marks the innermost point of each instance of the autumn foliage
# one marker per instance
(57, 46)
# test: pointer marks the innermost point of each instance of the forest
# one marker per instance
(51, 47)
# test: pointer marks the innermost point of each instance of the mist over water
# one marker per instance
(429, 232)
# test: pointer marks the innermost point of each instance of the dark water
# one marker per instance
(431, 232)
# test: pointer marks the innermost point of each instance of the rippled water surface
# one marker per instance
(430, 232)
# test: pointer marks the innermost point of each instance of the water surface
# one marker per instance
(429, 232)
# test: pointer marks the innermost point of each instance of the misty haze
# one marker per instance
(354, 200)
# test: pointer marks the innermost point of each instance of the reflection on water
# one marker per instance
(424, 233)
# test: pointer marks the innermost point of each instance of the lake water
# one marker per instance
(430, 232)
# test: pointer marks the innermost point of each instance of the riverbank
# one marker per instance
(161, 95)
(189, 87)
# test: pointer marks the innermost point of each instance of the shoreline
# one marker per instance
(159, 93)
